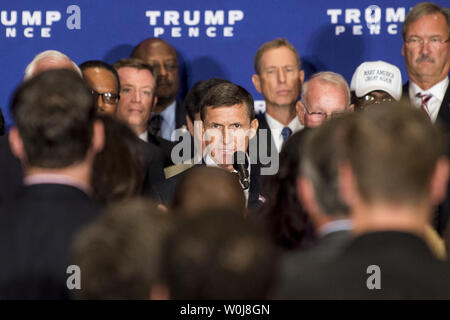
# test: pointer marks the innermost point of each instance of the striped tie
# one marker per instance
(425, 98)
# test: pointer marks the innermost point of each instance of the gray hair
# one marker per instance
(424, 9)
(330, 77)
(48, 55)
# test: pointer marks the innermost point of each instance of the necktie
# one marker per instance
(155, 124)
(285, 133)
(425, 98)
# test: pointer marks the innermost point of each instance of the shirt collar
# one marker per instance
(294, 125)
(144, 136)
(438, 90)
(52, 178)
(336, 225)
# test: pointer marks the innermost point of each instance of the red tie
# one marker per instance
(425, 98)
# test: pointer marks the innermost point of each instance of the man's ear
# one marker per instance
(16, 144)
(98, 136)
(348, 190)
(253, 127)
(300, 112)
(155, 102)
(403, 49)
(257, 82)
(190, 125)
(439, 181)
(307, 196)
(301, 76)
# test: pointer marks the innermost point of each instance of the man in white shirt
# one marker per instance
(426, 50)
(278, 77)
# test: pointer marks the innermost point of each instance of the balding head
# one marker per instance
(162, 57)
(49, 59)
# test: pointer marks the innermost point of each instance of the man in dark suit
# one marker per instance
(10, 169)
(168, 114)
(426, 50)
(390, 189)
(317, 186)
(229, 123)
(279, 78)
(137, 100)
(37, 225)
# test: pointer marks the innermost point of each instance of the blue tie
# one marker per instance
(285, 133)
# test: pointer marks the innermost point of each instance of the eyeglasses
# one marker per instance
(317, 116)
(415, 42)
(107, 97)
(372, 99)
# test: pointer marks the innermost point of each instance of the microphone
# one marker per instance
(240, 164)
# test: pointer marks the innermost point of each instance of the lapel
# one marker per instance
(180, 115)
(264, 126)
(444, 110)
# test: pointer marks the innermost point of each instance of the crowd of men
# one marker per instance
(112, 188)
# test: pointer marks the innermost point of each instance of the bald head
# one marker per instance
(162, 57)
(47, 60)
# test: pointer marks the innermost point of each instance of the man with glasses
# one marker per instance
(168, 114)
(325, 95)
(426, 50)
(104, 83)
(376, 82)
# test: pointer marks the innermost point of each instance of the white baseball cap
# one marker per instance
(377, 75)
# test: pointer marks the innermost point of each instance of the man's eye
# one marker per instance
(236, 125)
(125, 90)
(215, 126)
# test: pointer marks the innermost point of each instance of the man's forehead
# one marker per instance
(278, 55)
(236, 112)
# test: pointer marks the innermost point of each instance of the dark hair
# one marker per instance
(118, 170)
(287, 221)
(194, 97)
(102, 65)
(54, 113)
(119, 253)
(320, 160)
(208, 187)
(227, 94)
(219, 255)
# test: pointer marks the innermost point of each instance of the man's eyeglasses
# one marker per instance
(317, 116)
(107, 97)
(415, 42)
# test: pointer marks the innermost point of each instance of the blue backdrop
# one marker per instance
(213, 38)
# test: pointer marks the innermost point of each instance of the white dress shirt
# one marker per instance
(276, 127)
(434, 104)
(144, 136)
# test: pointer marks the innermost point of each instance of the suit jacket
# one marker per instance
(442, 214)
(10, 171)
(164, 145)
(295, 263)
(36, 231)
(180, 115)
(267, 138)
(407, 270)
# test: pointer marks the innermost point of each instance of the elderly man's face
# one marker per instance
(427, 56)
(323, 101)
